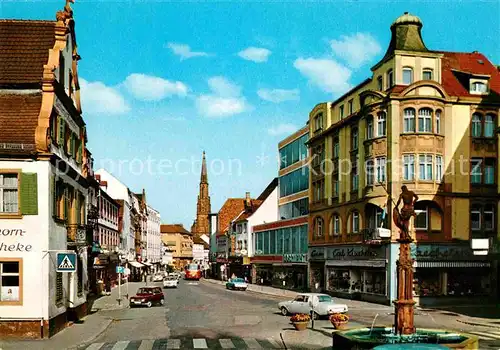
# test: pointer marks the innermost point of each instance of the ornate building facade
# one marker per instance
(425, 119)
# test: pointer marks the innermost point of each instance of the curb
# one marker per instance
(90, 340)
(478, 324)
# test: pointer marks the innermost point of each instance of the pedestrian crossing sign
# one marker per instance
(66, 262)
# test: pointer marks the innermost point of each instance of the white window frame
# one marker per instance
(370, 172)
(409, 164)
(4, 188)
(336, 225)
(12, 274)
(381, 169)
(405, 70)
(425, 160)
(381, 124)
(420, 212)
(476, 211)
(474, 87)
(425, 120)
(319, 227)
(355, 221)
(369, 127)
(428, 70)
(409, 120)
(439, 168)
(438, 122)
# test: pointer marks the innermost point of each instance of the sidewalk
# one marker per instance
(110, 302)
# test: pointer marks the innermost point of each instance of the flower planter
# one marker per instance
(340, 325)
(300, 326)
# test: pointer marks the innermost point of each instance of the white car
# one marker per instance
(158, 277)
(170, 282)
(302, 304)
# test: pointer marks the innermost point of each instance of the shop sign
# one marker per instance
(355, 253)
(317, 253)
(444, 252)
(288, 258)
(19, 245)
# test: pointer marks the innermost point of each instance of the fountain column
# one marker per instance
(404, 306)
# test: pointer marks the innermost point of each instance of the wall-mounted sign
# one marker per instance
(437, 252)
(317, 253)
(355, 253)
(290, 258)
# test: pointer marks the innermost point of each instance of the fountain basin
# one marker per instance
(367, 338)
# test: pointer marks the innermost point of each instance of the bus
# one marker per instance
(192, 272)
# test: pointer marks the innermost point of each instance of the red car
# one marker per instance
(148, 296)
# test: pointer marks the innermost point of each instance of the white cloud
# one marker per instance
(256, 54)
(223, 87)
(184, 51)
(150, 88)
(224, 101)
(97, 98)
(282, 129)
(327, 74)
(356, 49)
(279, 95)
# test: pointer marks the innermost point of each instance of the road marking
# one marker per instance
(173, 344)
(146, 344)
(252, 343)
(274, 343)
(226, 343)
(95, 346)
(484, 336)
(200, 343)
(120, 345)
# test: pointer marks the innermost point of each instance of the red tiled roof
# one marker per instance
(175, 228)
(24, 50)
(456, 65)
(231, 208)
(19, 117)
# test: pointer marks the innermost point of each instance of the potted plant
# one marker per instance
(339, 321)
(300, 321)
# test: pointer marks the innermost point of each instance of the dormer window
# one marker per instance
(427, 74)
(478, 87)
(407, 75)
(318, 122)
(390, 79)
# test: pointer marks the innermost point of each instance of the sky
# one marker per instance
(162, 81)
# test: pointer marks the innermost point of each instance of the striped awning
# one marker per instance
(441, 264)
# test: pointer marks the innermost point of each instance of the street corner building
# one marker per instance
(43, 177)
(425, 119)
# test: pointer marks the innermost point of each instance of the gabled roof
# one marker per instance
(24, 50)
(175, 228)
(268, 190)
(231, 208)
(458, 67)
(198, 240)
(19, 119)
(254, 205)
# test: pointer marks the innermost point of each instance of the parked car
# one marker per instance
(324, 305)
(148, 296)
(158, 277)
(170, 282)
(236, 284)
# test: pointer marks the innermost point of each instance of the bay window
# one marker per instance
(381, 169)
(425, 120)
(409, 120)
(425, 166)
(408, 167)
(438, 122)
(407, 75)
(381, 124)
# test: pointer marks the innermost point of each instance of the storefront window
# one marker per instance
(279, 241)
(286, 240)
(292, 278)
(427, 282)
(295, 239)
(266, 242)
(338, 280)
(303, 239)
(374, 282)
(272, 242)
(468, 281)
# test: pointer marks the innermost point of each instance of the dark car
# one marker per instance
(148, 296)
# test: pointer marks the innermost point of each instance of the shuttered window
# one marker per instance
(29, 194)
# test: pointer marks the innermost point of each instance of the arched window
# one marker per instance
(407, 75)
(390, 78)
(355, 221)
(437, 117)
(381, 124)
(489, 125)
(369, 127)
(335, 225)
(425, 120)
(476, 128)
(409, 120)
(318, 227)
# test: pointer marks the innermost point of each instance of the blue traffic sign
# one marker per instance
(120, 269)
(66, 262)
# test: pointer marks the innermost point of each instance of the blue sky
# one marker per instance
(163, 81)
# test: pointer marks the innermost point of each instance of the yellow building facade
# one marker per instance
(427, 120)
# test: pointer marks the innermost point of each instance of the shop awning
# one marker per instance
(136, 264)
(357, 263)
(147, 264)
(441, 264)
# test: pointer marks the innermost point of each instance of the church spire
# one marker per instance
(204, 176)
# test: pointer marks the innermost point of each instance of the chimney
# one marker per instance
(247, 200)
